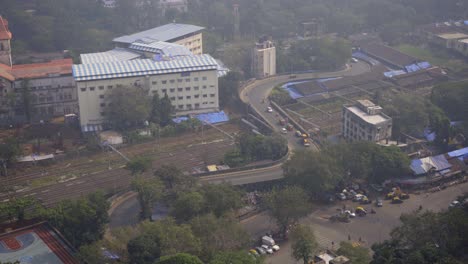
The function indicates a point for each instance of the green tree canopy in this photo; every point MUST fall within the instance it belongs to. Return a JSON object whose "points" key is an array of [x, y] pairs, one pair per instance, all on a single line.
{"points": [[179, 258], [221, 198], [303, 244], [287, 205], [9, 150], [127, 107], [426, 237], [144, 249], [149, 191], [218, 234], [172, 238], [138, 165], [81, 221], [314, 171], [356, 254], [237, 257]]}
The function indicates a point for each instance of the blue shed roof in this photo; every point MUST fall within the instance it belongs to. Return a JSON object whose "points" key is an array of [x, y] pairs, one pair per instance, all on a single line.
{"points": [[458, 152]]}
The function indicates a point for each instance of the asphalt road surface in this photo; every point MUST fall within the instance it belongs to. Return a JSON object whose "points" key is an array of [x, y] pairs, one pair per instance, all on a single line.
{"points": [[371, 228]]}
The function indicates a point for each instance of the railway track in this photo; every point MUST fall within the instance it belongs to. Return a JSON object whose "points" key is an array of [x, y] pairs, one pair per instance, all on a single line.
{"points": [[119, 178]]}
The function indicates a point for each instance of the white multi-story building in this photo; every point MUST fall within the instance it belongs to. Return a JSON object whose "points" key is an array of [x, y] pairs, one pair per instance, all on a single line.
{"points": [[366, 122], [191, 82], [264, 59], [189, 36]]}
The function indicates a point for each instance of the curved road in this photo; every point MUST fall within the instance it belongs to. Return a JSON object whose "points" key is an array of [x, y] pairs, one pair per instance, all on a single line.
{"points": [[253, 94]]}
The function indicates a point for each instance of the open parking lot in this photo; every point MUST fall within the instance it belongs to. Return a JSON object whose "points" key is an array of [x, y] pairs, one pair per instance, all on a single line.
{"points": [[371, 228]]}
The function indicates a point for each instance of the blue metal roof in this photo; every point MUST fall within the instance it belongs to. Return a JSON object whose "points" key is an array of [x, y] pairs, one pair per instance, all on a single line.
{"points": [[421, 166], [141, 67], [163, 33], [458, 152], [213, 118]]}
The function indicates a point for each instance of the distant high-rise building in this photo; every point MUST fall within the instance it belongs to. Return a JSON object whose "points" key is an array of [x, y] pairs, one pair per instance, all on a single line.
{"points": [[5, 47], [264, 58], [236, 15]]}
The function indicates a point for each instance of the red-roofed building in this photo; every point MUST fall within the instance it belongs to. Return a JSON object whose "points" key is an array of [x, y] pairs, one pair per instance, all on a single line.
{"points": [[51, 89]]}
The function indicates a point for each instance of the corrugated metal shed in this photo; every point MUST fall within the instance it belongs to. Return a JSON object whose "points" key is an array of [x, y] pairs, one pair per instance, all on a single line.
{"points": [[117, 54], [139, 67], [166, 48], [163, 33], [437, 163]]}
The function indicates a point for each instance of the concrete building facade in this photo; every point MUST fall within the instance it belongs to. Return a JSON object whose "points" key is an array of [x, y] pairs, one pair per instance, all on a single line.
{"points": [[5, 38], [264, 59], [365, 121], [190, 82]]}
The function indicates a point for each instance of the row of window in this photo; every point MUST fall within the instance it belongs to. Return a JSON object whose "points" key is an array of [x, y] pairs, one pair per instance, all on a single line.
{"points": [[188, 97], [180, 107], [195, 79], [109, 87]]}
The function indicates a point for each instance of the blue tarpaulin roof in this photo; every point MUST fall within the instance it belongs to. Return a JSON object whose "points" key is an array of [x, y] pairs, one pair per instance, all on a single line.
{"points": [[466, 22], [213, 118], [424, 65], [412, 68], [458, 152]]}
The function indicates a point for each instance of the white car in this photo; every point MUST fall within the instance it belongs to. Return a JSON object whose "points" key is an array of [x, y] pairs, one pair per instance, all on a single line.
{"points": [[284, 130], [267, 249], [348, 212], [275, 248], [354, 60], [454, 204], [269, 109]]}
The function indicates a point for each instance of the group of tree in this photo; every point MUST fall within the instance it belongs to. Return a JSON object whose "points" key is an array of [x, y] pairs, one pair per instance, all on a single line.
{"points": [[426, 237], [452, 98], [321, 172], [9, 150], [132, 107], [314, 54], [251, 147], [412, 115]]}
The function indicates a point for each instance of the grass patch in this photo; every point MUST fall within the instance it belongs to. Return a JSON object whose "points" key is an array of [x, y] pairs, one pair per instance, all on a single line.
{"points": [[43, 181]]}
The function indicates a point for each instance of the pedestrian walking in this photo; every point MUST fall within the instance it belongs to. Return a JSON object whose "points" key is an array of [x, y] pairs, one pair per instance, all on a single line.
{"points": [[360, 239], [349, 237]]}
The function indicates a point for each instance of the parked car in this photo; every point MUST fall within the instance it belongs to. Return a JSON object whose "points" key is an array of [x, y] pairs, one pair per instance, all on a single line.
{"points": [[341, 196], [454, 204], [360, 211], [298, 133], [365, 200], [354, 60], [284, 130], [358, 197], [379, 203], [267, 249], [260, 250], [254, 252], [350, 214], [275, 248], [269, 109], [404, 196], [396, 200]]}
